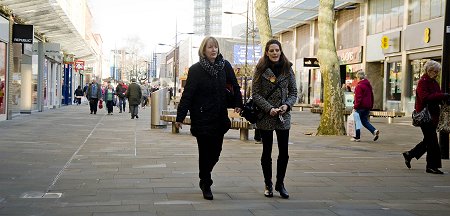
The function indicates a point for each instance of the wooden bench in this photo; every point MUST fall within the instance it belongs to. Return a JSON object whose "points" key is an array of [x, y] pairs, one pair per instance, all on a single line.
{"points": [[302, 106], [386, 114], [237, 122]]}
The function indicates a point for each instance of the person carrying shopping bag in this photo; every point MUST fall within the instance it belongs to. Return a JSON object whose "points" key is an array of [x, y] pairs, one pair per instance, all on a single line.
{"points": [[363, 103]]}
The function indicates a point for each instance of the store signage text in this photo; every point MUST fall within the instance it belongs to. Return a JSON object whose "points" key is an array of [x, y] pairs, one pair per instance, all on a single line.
{"points": [[350, 56], [310, 62], [426, 35], [23, 33], [384, 42]]}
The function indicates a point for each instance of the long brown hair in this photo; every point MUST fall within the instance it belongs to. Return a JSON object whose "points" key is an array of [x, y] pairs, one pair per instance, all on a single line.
{"points": [[264, 62]]}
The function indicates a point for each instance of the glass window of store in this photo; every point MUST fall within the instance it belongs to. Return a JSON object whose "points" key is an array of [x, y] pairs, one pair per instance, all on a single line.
{"points": [[385, 15], [3, 54], [423, 10], [394, 82]]}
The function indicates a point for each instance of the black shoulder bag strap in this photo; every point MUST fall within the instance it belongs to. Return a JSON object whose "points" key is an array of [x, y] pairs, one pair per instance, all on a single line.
{"points": [[275, 88]]}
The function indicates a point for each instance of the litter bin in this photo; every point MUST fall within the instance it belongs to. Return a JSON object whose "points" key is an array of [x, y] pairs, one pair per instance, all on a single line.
{"points": [[159, 103]]}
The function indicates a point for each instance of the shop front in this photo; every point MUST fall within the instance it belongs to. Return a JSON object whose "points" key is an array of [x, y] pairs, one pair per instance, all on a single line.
{"points": [[4, 46]]}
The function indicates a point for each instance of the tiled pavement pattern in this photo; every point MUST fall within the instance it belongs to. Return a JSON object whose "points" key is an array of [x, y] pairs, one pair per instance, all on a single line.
{"points": [[116, 166]]}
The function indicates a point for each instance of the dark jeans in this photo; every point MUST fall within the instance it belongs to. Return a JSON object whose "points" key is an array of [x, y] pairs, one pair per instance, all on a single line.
{"points": [[134, 110], [93, 104], [364, 116], [257, 136], [283, 154], [110, 106], [144, 101], [429, 145], [122, 104], [209, 149], [78, 101]]}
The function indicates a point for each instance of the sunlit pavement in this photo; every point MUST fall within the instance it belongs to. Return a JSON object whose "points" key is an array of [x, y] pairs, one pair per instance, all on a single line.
{"points": [[114, 165]]}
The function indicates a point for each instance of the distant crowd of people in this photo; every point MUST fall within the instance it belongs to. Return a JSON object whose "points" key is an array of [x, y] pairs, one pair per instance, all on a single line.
{"points": [[136, 95]]}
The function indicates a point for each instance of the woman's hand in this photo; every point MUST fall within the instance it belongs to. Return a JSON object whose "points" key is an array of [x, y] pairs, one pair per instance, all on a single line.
{"points": [[274, 111], [283, 108], [178, 125]]}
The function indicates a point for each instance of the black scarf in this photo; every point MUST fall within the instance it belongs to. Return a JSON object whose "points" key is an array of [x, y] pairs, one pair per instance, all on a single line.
{"points": [[213, 68]]}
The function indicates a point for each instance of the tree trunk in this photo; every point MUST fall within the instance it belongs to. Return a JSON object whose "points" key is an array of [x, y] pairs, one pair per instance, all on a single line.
{"points": [[332, 120], [263, 21]]}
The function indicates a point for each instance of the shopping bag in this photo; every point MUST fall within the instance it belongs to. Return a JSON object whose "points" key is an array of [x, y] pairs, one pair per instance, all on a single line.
{"points": [[351, 126], [444, 119], [358, 123], [100, 104]]}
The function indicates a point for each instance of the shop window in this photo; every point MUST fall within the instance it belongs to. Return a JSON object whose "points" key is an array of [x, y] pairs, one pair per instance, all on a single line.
{"points": [[423, 10], [2, 77], [385, 15], [394, 81]]}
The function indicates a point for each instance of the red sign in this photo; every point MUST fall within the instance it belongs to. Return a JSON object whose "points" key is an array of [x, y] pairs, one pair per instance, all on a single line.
{"points": [[79, 65]]}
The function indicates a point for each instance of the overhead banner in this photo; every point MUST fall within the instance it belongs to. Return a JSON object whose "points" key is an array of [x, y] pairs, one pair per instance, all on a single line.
{"points": [[23, 33], [253, 54]]}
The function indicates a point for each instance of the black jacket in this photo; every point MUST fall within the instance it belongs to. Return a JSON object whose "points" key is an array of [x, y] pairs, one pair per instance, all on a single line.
{"points": [[204, 97]]}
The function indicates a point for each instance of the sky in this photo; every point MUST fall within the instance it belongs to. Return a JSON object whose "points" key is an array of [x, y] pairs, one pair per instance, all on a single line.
{"points": [[152, 21]]}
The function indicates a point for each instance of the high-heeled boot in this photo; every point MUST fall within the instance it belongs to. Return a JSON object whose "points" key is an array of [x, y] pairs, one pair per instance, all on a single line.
{"points": [[282, 190]]}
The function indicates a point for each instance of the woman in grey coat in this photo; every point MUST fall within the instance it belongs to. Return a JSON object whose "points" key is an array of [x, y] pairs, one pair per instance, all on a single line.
{"points": [[274, 71]]}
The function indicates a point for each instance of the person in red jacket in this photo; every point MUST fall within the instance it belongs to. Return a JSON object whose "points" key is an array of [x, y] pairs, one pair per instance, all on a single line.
{"points": [[428, 94], [362, 104]]}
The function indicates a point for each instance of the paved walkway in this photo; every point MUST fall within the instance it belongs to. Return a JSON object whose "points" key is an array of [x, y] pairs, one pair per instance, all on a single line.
{"points": [[113, 165]]}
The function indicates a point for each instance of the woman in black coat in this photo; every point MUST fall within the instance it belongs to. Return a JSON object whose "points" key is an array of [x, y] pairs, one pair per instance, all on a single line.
{"points": [[205, 97], [274, 75]]}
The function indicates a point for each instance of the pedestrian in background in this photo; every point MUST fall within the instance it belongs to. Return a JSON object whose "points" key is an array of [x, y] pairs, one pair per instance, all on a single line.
{"points": [[134, 95], [78, 95], [121, 90], [429, 94], [204, 97], [274, 71], [362, 104], [145, 94], [109, 98], [94, 94]]}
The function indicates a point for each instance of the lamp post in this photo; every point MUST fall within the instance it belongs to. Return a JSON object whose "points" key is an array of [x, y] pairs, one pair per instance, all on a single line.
{"points": [[246, 45], [175, 59]]}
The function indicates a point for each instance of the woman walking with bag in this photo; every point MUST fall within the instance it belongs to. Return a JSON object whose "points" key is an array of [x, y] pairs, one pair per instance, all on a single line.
{"points": [[204, 96], [274, 92], [428, 95]]}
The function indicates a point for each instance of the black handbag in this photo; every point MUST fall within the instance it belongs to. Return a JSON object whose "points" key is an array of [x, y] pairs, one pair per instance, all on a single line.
{"points": [[250, 110], [422, 117]]}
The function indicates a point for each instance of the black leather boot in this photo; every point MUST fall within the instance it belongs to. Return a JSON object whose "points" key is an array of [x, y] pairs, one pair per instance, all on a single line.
{"points": [[206, 190], [408, 158], [268, 190], [283, 192]]}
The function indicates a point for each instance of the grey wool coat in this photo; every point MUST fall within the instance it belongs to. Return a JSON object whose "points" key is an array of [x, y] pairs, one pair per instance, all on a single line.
{"points": [[286, 93]]}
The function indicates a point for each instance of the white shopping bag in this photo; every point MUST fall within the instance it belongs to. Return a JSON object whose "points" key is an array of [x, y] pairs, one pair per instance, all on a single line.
{"points": [[353, 124]]}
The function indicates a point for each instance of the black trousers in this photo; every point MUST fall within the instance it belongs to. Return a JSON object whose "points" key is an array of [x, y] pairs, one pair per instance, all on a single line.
{"points": [[209, 149], [110, 106], [429, 145], [93, 102], [283, 155]]}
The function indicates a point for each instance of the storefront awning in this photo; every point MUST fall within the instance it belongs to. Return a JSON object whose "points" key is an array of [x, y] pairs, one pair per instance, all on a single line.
{"points": [[50, 19], [294, 13]]}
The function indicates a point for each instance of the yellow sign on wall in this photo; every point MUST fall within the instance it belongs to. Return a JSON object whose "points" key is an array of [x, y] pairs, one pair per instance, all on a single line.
{"points": [[426, 35], [384, 42]]}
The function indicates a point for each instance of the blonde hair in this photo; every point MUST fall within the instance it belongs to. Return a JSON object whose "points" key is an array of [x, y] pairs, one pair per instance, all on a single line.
{"points": [[202, 48]]}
